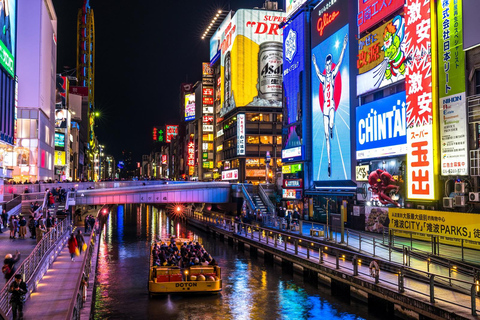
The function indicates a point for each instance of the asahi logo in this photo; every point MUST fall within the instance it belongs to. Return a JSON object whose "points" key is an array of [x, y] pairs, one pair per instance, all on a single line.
{"points": [[291, 45]]}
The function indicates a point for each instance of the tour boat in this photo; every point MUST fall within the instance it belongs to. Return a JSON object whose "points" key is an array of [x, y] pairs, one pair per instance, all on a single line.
{"points": [[174, 280]]}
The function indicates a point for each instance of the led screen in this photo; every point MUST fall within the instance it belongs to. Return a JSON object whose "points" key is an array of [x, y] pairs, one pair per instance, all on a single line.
{"points": [[8, 27], [189, 107], [59, 140], [331, 154]]}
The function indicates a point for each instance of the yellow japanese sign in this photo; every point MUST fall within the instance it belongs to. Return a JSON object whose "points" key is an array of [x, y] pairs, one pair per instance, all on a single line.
{"points": [[450, 227]]}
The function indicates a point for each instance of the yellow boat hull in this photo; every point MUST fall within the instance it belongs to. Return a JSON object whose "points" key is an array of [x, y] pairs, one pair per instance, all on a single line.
{"points": [[185, 287]]}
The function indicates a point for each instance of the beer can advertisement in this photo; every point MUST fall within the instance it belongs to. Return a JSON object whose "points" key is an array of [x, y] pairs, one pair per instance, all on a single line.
{"points": [[331, 146], [189, 107], [251, 60], [382, 58], [382, 127], [293, 67], [8, 25]]}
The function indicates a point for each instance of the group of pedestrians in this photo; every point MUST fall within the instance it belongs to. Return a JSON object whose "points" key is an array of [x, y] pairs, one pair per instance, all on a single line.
{"points": [[89, 223], [76, 244]]}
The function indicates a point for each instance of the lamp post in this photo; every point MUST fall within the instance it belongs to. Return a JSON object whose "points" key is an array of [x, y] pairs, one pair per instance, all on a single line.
{"points": [[329, 230]]}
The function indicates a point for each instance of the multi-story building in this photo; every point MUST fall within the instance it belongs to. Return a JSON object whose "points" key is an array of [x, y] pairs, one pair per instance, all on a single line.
{"points": [[36, 65]]}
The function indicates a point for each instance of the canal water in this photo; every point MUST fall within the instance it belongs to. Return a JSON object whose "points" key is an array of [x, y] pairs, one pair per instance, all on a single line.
{"points": [[251, 289]]}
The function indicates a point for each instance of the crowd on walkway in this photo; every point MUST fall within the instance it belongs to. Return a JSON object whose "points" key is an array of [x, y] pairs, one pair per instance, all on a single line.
{"points": [[188, 255]]}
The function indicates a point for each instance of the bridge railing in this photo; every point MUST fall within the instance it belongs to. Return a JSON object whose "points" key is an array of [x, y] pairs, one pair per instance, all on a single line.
{"points": [[313, 250], [36, 264]]}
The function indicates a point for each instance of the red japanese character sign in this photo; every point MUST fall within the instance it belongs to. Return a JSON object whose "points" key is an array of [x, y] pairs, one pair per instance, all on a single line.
{"points": [[420, 163]]}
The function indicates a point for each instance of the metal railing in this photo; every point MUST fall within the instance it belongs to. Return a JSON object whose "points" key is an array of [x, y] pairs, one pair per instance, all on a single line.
{"points": [[36, 264], [266, 200], [250, 203], [315, 251]]}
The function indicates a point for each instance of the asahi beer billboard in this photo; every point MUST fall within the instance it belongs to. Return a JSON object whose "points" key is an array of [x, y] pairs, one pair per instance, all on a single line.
{"points": [[331, 94], [251, 60], [381, 56], [451, 80]]}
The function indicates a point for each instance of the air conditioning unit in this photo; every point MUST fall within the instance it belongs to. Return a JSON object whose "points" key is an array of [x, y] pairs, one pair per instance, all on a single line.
{"points": [[460, 201], [460, 187], [448, 202], [421, 207], [474, 196]]}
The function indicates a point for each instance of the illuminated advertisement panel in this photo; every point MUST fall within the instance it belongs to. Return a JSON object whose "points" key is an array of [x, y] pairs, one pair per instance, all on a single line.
{"points": [[61, 118], [216, 39], [230, 174], [293, 68], [59, 139], [207, 70], [251, 60], [372, 11], [172, 132], [191, 154], [189, 106], [331, 149], [241, 134], [8, 25], [381, 56], [59, 158], [382, 127], [418, 85], [291, 6], [451, 81], [61, 92], [291, 194]]}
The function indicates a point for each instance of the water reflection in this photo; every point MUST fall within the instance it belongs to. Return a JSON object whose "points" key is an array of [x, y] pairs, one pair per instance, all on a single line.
{"points": [[251, 289]]}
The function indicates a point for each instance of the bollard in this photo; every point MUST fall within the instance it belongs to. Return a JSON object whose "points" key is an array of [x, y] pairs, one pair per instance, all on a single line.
{"points": [[274, 240], [308, 253], [359, 242], [296, 247], [462, 252], [432, 288], [260, 236], [401, 287], [348, 234], [449, 274], [267, 238], [428, 264], [337, 260], [320, 255], [286, 240], [252, 232], [473, 300], [355, 265], [374, 246], [301, 227]]}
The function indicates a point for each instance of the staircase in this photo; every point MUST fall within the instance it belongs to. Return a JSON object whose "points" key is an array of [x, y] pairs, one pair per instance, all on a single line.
{"points": [[259, 204]]}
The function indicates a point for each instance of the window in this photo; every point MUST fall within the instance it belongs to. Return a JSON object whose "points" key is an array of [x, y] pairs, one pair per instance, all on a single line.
{"points": [[266, 139], [279, 140], [253, 140]]}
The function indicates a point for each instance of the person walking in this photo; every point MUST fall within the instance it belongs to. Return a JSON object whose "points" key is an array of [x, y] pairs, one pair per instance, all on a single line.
{"points": [[72, 246], [18, 289], [4, 217], [11, 227], [41, 229], [80, 240], [23, 227], [8, 268], [31, 227]]}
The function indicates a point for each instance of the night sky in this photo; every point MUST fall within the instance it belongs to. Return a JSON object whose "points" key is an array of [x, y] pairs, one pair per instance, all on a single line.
{"points": [[144, 51]]}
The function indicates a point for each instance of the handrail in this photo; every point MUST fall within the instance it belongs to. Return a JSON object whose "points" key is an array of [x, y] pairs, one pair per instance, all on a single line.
{"points": [[70, 194], [266, 200], [247, 196], [31, 266], [76, 304], [13, 203]]}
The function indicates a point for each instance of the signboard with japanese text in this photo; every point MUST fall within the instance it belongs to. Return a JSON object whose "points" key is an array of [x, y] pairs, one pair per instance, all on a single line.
{"points": [[327, 17], [293, 70], [381, 59], [292, 154], [255, 173], [370, 12], [452, 106], [382, 127], [251, 60], [59, 158], [292, 183], [292, 194], [230, 174], [207, 70], [451, 227], [158, 134], [420, 184], [361, 172], [292, 168], [191, 154], [189, 107], [8, 35], [164, 159], [240, 134], [172, 132], [418, 85], [207, 91]]}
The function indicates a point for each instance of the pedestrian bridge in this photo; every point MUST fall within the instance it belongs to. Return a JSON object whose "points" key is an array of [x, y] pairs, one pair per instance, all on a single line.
{"points": [[169, 192]]}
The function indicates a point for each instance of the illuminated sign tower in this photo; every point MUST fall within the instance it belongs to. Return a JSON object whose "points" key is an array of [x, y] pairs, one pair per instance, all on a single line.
{"points": [[86, 61]]}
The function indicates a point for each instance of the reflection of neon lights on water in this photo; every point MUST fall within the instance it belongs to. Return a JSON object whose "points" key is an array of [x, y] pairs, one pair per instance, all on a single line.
{"points": [[120, 220], [241, 298]]}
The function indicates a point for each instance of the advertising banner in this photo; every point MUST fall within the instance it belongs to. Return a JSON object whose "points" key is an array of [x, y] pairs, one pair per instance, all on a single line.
{"points": [[291, 6], [292, 168], [292, 154], [8, 25], [451, 227], [172, 132], [361, 172], [61, 118], [418, 85], [207, 70], [189, 107], [59, 140], [59, 158], [215, 40], [370, 12], [292, 194], [293, 68], [240, 134], [381, 56], [61, 92], [376, 219], [251, 60], [382, 127], [292, 183], [191, 154], [331, 149], [230, 174], [453, 114]]}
